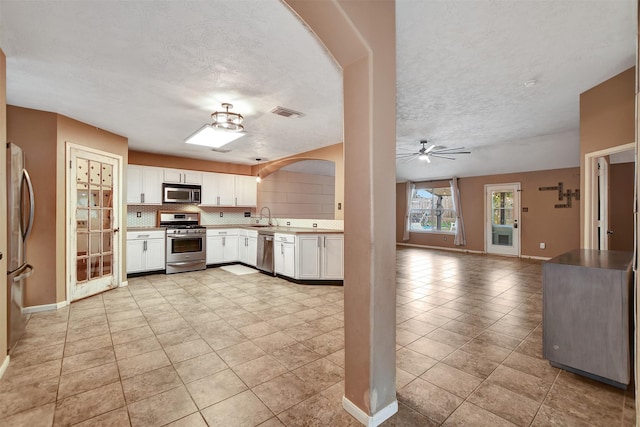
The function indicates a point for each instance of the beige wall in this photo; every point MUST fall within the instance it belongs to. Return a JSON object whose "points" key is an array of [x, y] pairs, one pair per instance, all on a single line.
{"points": [[297, 195], [621, 179], [3, 204], [361, 37], [35, 132], [161, 160], [78, 133], [44, 147], [556, 227], [607, 119]]}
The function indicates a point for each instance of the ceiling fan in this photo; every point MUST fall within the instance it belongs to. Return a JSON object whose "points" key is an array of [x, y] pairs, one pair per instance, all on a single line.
{"points": [[432, 151]]}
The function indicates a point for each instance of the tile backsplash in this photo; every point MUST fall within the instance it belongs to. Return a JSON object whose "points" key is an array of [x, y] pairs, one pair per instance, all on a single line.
{"points": [[211, 216]]}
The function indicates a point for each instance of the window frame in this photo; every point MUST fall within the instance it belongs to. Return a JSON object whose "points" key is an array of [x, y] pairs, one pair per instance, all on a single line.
{"points": [[433, 186]]}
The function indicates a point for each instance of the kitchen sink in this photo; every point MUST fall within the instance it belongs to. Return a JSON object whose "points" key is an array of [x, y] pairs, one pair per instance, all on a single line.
{"points": [[260, 225]]}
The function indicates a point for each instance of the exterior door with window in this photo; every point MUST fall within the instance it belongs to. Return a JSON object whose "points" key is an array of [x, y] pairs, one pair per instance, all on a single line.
{"points": [[502, 219], [93, 223]]}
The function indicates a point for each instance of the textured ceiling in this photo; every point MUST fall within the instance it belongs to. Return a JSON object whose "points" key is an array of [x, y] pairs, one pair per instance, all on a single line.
{"points": [[153, 71]]}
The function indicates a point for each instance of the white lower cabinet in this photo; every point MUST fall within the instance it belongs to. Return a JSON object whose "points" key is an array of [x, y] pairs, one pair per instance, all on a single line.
{"points": [[248, 247], [320, 257], [222, 246], [284, 250], [145, 251]]}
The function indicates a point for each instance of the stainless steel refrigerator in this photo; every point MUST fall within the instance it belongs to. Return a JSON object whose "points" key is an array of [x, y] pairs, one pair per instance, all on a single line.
{"points": [[20, 211]]}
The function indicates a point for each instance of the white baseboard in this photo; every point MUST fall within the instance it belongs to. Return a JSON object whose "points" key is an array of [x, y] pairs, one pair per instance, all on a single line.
{"points": [[4, 366], [411, 245], [44, 307], [370, 421], [123, 284]]}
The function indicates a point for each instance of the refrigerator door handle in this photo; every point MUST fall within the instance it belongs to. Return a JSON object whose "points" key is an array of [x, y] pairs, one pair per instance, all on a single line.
{"points": [[32, 203], [27, 272]]}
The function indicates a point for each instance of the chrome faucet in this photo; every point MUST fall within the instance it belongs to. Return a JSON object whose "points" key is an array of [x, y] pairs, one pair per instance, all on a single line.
{"points": [[268, 211]]}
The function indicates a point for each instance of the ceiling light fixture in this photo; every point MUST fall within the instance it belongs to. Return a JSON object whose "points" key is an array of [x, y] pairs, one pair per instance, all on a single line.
{"points": [[530, 83], [258, 179], [225, 127]]}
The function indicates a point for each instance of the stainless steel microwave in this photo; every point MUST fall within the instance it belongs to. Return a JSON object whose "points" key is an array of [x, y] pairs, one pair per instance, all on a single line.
{"points": [[177, 193]]}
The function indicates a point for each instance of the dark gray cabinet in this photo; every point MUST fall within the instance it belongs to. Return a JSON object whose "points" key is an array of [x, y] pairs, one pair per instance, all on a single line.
{"points": [[587, 314]]}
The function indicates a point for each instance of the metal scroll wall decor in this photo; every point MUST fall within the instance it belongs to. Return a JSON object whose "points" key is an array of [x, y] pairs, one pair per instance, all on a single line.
{"points": [[561, 195]]}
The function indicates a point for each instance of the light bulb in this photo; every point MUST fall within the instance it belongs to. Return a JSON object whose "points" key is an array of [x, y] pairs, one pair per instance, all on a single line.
{"points": [[258, 179]]}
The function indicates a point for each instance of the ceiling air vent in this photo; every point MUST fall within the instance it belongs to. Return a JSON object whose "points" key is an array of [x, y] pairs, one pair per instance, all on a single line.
{"points": [[286, 112]]}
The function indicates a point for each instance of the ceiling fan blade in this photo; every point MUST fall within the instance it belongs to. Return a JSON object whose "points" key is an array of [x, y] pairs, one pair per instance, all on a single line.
{"points": [[428, 159], [457, 150], [430, 148], [399, 156], [441, 156]]}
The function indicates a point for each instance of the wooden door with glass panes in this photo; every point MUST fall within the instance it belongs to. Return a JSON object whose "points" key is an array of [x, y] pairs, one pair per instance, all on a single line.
{"points": [[94, 221]]}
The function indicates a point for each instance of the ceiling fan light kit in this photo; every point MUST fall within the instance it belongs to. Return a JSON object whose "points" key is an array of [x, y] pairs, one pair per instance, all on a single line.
{"points": [[225, 127]]}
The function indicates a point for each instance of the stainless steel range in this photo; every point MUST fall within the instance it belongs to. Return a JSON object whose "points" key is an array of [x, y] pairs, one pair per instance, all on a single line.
{"points": [[186, 242]]}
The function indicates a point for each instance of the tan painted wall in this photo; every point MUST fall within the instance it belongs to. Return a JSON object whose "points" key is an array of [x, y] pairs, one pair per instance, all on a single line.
{"points": [[161, 160], [35, 132], [361, 37], [3, 203], [607, 119], [44, 147], [75, 132], [543, 223], [621, 178]]}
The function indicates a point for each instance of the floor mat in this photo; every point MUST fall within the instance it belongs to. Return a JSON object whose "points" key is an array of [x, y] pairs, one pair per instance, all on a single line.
{"points": [[239, 270]]}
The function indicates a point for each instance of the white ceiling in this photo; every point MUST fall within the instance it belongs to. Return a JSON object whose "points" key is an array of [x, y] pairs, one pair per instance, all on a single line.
{"points": [[154, 71]]}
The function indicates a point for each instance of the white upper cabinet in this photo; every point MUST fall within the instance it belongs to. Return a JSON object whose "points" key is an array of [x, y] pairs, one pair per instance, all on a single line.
{"points": [[246, 191], [144, 185], [177, 176], [218, 189]]}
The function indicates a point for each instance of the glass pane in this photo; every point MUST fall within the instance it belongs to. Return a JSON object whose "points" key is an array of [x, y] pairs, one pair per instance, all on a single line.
{"points": [[179, 246], [81, 270], [95, 267], [82, 195], [502, 218], [83, 244], [106, 219], [94, 196], [94, 243], [106, 242], [107, 172], [82, 218], [107, 198], [106, 265], [82, 170], [94, 172], [96, 221]]}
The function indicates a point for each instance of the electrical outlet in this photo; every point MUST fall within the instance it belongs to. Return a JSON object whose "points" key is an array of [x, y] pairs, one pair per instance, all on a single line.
{"points": [[221, 214], [247, 214], [339, 206], [315, 225], [288, 222], [138, 214], [543, 245], [445, 238]]}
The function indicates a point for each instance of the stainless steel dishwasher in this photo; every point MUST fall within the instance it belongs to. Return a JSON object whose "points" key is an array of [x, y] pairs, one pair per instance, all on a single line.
{"points": [[265, 252]]}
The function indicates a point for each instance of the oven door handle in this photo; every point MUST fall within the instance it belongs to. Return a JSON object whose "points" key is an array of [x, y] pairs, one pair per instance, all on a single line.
{"points": [[184, 263], [187, 236]]}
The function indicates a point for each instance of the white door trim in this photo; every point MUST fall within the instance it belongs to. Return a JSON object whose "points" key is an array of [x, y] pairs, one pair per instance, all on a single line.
{"points": [[516, 216], [589, 237], [117, 238]]}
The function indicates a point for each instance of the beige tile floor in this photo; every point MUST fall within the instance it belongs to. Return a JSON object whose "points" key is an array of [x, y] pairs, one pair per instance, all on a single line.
{"points": [[212, 348]]}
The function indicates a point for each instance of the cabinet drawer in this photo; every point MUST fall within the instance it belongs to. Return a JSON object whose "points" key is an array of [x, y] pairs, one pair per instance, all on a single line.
{"points": [[223, 232], [145, 235], [285, 238]]}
